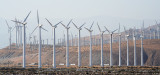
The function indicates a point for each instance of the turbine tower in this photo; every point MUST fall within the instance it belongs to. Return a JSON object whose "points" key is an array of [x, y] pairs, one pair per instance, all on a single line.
{"points": [[79, 43], [134, 40], [150, 32], [142, 36], [101, 34], [158, 27], [67, 43], [119, 45], [54, 41], [111, 34], [40, 41], [90, 56], [24, 38], [10, 34], [127, 37]]}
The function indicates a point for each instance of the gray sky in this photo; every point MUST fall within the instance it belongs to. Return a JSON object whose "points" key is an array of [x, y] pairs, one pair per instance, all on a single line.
{"points": [[135, 9], [107, 12]]}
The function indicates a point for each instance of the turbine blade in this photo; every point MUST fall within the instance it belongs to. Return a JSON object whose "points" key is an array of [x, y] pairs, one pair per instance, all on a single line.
{"points": [[16, 21], [98, 27], [82, 25], [143, 24], [34, 30], [58, 23], [14, 28], [44, 29], [27, 17], [75, 25], [49, 22], [37, 17], [156, 22], [119, 29], [69, 22], [142, 29], [124, 29], [106, 29], [114, 30], [63, 25], [87, 29], [7, 23], [92, 25]]}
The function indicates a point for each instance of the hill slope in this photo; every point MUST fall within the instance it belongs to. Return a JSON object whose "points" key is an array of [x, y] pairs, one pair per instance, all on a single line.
{"points": [[151, 54]]}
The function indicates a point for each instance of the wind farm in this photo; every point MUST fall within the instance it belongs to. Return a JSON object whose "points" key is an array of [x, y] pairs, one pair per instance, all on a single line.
{"points": [[79, 42]]}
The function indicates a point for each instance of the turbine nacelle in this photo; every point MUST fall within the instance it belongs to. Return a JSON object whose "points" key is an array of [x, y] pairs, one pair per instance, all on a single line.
{"points": [[109, 31], [80, 28], [90, 28], [100, 29], [40, 25], [127, 35], [141, 36], [67, 27], [24, 23]]}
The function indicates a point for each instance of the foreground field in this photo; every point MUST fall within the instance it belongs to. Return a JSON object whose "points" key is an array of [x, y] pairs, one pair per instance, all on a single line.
{"points": [[143, 70]]}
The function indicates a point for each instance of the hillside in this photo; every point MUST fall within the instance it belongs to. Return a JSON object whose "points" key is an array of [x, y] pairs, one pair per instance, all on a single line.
{"points": [[151, 54]]}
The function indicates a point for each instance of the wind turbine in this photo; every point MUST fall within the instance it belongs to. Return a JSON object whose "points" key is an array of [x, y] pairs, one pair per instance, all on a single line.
{"points": [[90, 31], [158, 29], [30, 37], [16, 33], [67, 43], [40, 42], [134, 40], [79, 42], [119, 45], [16, 25], [24, 38], [142, 36], [9, 30], [101, 33], [54, 41], [150, 32], [111, 34], [154, 34], [127, 37]]}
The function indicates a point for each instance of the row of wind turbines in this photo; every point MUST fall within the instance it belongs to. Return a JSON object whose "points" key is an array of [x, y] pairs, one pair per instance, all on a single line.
{"points": [[90, 30]]}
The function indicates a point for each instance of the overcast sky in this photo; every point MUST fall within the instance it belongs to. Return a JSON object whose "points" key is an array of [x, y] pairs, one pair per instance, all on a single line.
{"points": [[107, 12], [135, 9]]}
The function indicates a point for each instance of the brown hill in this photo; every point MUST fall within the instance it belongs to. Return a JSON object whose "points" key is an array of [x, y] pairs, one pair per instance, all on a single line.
{"points": [[151, 54]]}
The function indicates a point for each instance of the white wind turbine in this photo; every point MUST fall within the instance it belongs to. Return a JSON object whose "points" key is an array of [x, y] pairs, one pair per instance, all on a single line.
{"points": [[79, 43], [54, 41], [89, 30], [158, 27], [16, 32], [150, 32], [119, 45], [127, 37], [40, 41], [142, 36], [111, 34], [24, 39], [101, 34], [67, 43], [134, 40], [10, 34]]}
